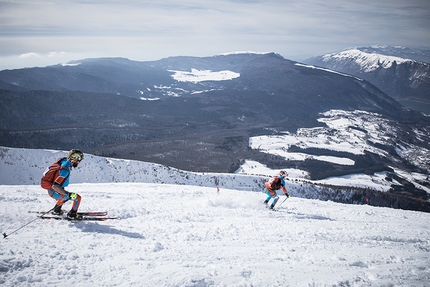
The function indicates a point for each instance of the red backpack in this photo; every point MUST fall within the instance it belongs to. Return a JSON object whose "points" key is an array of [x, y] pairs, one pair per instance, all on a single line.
{"points": [[275, 183], [51, 173]]}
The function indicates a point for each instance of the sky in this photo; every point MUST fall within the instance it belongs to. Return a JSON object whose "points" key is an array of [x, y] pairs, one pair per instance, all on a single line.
{"points": [[40, 33]]}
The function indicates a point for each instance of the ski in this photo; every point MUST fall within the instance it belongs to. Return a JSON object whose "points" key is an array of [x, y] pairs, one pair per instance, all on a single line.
{"points": [[271, 209], [83, 213], [84, 218], [93, 213]]}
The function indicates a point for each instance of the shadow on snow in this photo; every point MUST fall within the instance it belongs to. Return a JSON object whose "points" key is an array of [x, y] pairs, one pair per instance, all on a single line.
{"points": [[106, 229]]}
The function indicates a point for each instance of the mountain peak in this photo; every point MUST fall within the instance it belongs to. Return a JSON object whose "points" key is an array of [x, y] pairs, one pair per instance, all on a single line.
{"points": [[400, 72], [366, 61]]}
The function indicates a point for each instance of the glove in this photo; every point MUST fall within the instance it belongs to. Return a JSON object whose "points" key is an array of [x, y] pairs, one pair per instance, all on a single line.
{"points": [[72, 196], [287, 195]]}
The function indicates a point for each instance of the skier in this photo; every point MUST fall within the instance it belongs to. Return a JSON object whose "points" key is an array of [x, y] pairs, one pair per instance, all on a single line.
{"points": [[56, 178], [272, 185]]}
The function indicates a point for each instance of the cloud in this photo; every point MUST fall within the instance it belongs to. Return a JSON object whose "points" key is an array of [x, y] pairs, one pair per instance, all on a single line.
{"points": [[56, 54], [29, 55], [32, 59]]}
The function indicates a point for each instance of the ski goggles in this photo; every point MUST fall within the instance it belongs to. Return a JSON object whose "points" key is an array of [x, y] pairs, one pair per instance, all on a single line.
{"points": [[76, 157]]}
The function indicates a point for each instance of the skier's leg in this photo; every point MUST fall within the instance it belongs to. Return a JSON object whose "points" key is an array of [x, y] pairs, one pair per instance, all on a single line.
{"points": [[272, 194], [76, 204], [269, 196], [58, 197], [275, 200]]}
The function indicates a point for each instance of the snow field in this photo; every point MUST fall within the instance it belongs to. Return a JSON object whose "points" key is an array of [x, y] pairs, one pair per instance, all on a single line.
{"points": [[178, 235]]}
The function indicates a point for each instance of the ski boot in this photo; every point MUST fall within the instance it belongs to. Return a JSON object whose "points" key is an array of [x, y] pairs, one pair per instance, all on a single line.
{"points": [[266, 202], [73, 215], [272, 206], [57, 210]]}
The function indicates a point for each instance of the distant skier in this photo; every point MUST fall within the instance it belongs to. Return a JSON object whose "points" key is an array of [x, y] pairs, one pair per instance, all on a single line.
{"points": [[56, 178], [272, 185]]}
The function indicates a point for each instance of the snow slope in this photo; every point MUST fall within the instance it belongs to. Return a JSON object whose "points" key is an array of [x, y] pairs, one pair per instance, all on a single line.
{"points": [[182, 235], [205, 75], [26, 166]]}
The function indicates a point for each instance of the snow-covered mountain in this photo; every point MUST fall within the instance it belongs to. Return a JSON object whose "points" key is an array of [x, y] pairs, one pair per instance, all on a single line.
{"points": [[339, 138], [395, 70], [25, 166], [420, 54], [216, 114], [365, 61], [345, 135], [187, 112]]}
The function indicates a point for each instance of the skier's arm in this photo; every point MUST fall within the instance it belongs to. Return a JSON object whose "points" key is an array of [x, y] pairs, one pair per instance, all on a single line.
{"points": [[59, 182], [284, 189], [57, 188]]}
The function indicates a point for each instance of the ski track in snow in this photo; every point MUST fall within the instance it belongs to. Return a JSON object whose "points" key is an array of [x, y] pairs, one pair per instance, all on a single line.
{"points": [[178, 235]]}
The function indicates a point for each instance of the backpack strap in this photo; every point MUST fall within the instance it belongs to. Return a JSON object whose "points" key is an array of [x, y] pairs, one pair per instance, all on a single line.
{"points": [[60, 168]]}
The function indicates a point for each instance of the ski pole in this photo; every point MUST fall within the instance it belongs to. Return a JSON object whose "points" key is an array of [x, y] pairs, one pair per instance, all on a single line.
{"points": [[282, 202], [6, 235]]}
